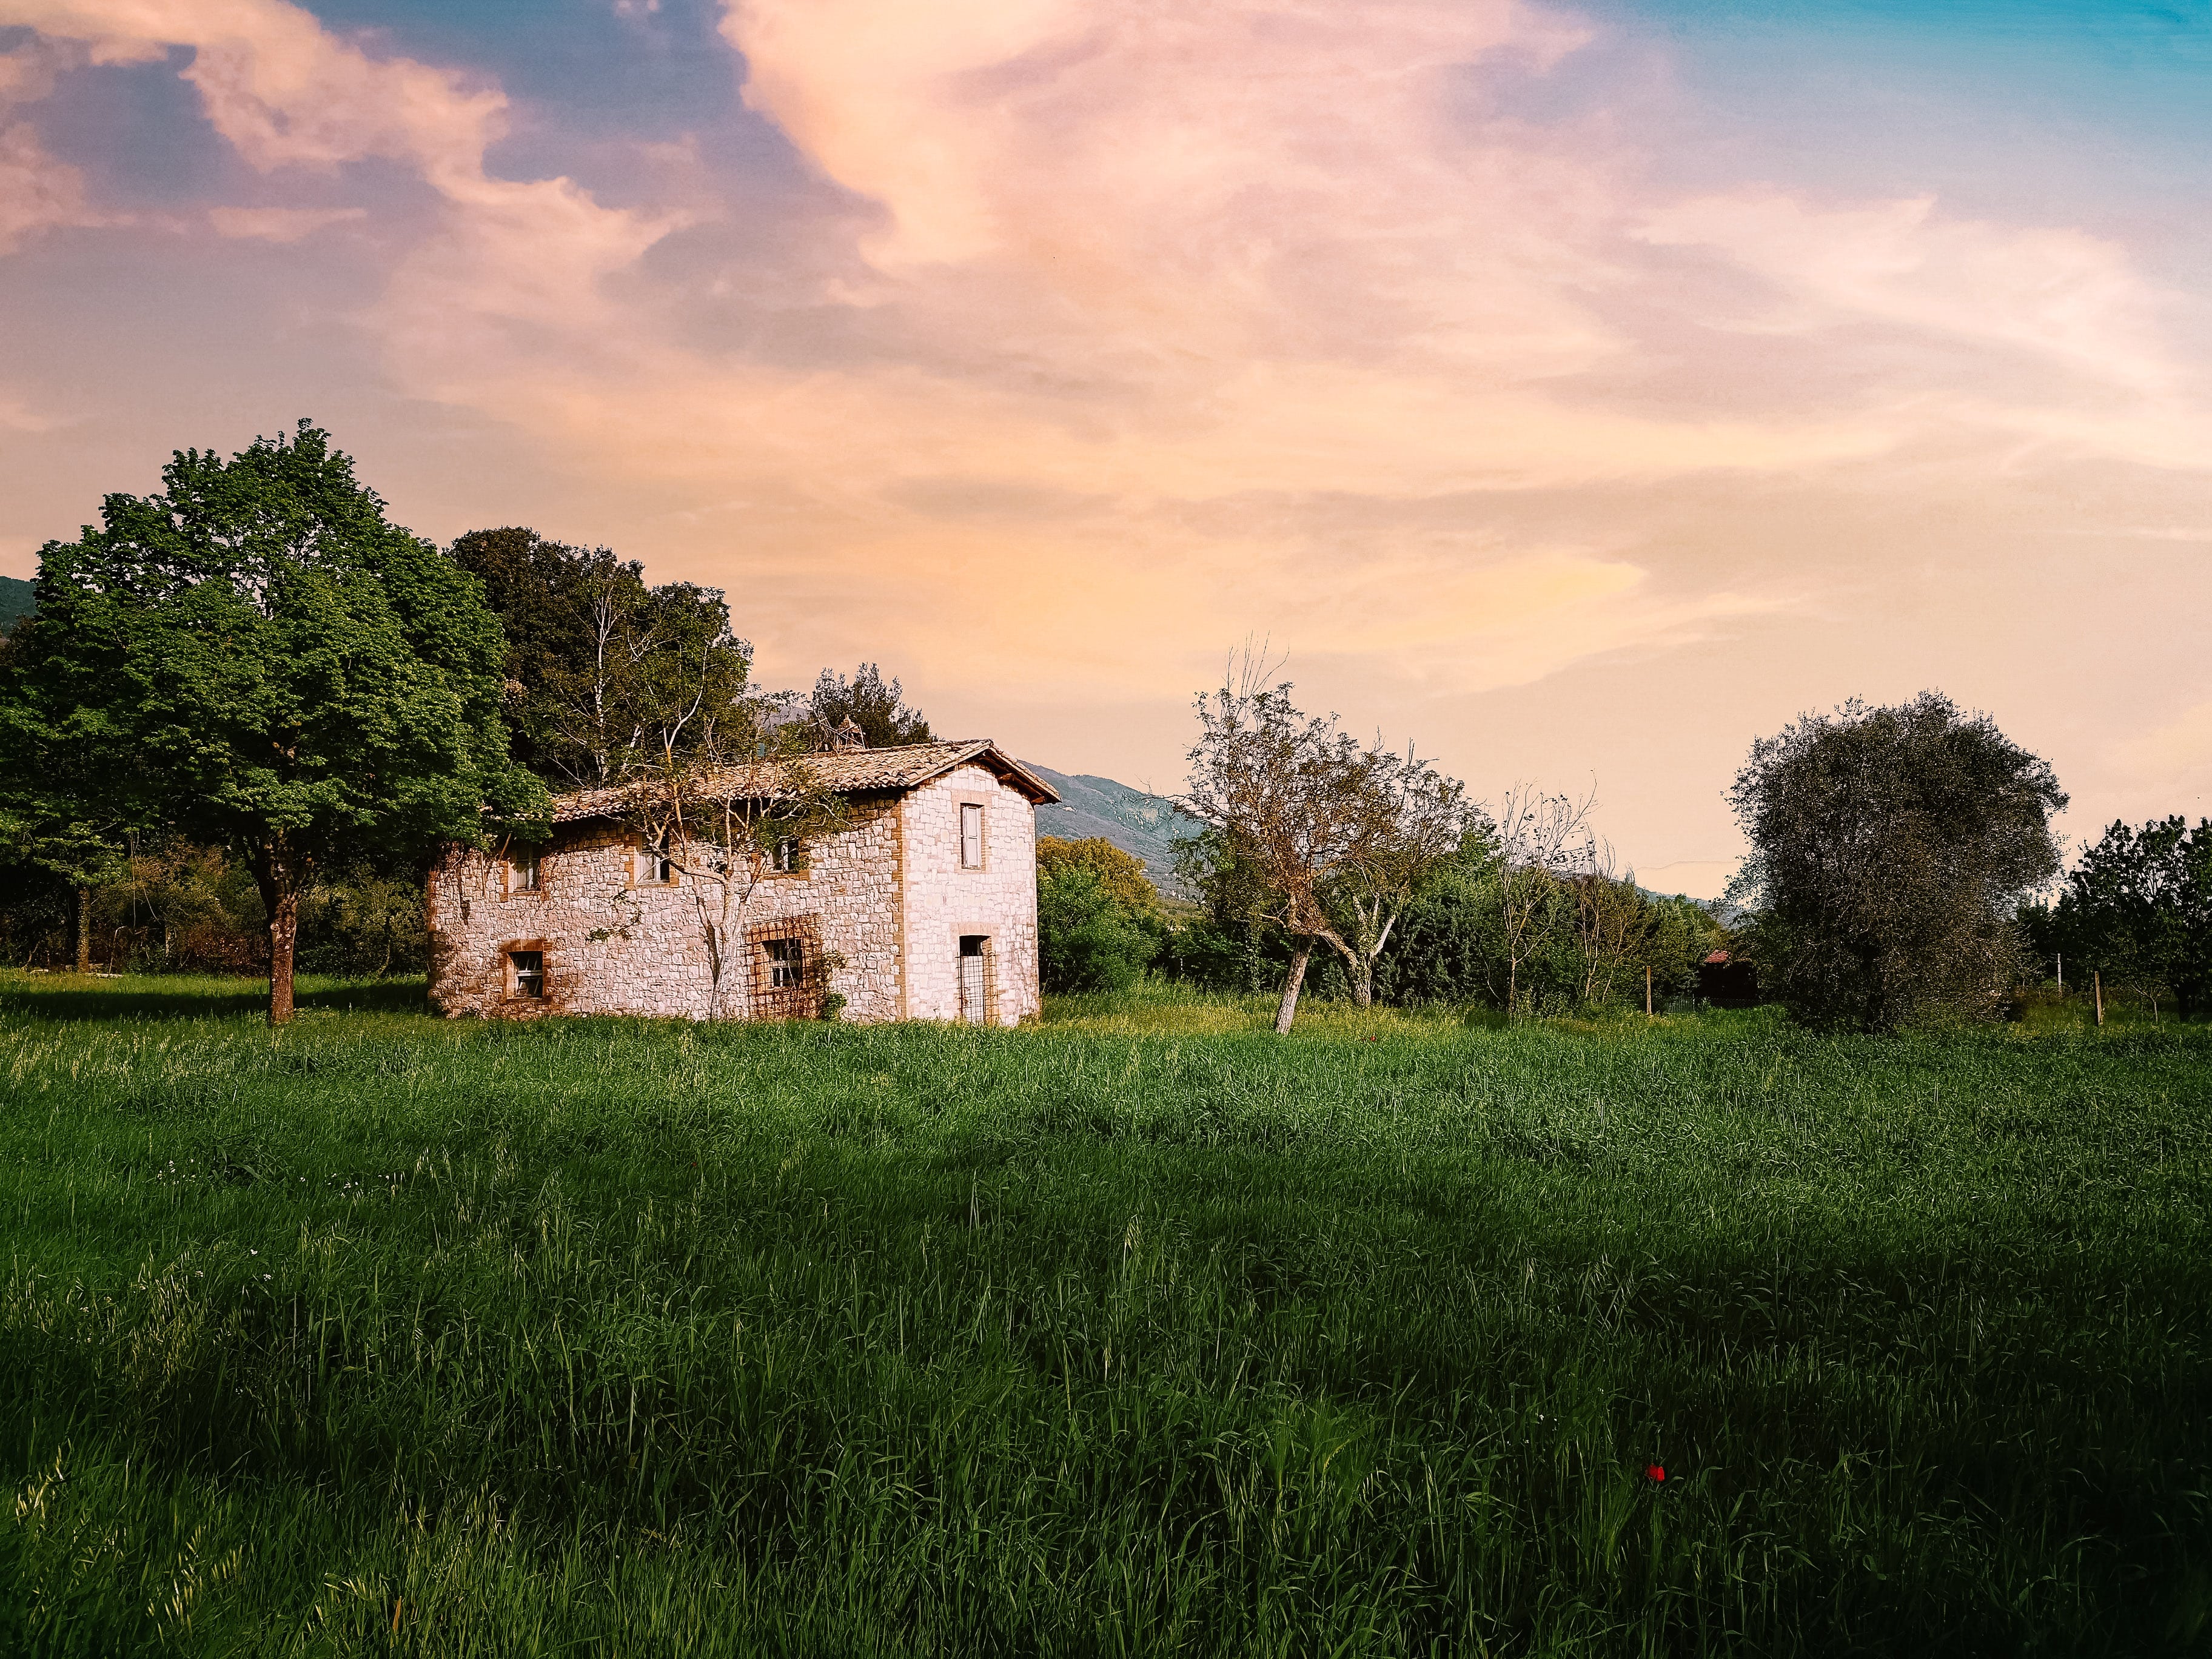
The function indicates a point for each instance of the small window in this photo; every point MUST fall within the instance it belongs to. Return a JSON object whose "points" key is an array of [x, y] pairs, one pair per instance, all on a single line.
{"points": [[789, 858], [971, 835], [787, 963], [522, 874], [529, 972], [655, 863]]}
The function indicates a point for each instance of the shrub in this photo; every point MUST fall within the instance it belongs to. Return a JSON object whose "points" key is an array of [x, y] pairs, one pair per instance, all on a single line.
{"points": [[1087, 939]]}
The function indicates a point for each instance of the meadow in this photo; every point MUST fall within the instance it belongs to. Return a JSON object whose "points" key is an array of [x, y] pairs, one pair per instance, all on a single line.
{"points": [[1137, 1332]]}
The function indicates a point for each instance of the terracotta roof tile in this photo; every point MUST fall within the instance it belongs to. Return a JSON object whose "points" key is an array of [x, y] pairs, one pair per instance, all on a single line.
{"points": [[848, 771]]}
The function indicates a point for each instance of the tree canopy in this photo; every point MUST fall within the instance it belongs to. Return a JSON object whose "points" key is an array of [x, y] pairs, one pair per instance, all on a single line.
{"points": [[2138, 909], [1121, 874], [1891, 849], [255, 656], [879, 710], [607, 674]]}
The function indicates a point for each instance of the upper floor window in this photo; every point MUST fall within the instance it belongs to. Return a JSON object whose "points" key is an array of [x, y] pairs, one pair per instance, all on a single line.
{"points": [[789, 857], [522, 875], [971, 835], [655, 863]]}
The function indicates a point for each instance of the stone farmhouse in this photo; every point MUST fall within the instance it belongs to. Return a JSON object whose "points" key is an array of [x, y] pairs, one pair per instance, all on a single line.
{"points": [[924, 904]]}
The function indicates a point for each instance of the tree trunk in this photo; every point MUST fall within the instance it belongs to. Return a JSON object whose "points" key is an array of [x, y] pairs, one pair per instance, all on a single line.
{"points": [[1363, 982], [280, 876], [85, 930], [1289, 1009]]}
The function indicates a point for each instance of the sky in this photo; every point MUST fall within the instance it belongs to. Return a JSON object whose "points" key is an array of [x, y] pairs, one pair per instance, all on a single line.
{"points": [[1578, 392]]}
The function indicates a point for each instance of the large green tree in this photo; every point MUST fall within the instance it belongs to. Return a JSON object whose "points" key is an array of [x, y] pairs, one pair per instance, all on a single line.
{"points": [[256, 656], [1891, 848]]}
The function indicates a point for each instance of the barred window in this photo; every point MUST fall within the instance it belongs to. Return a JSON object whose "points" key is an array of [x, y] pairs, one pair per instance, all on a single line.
{"points": [[787, 962]]}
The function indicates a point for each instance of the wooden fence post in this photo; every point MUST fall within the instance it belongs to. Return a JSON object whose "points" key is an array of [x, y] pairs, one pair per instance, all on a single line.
{"points": [[2098, 979], [1647, 990]]}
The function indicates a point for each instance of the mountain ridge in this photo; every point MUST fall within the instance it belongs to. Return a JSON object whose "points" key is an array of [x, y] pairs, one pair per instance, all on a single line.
{"points": [[1144, 825], [18, 599]]}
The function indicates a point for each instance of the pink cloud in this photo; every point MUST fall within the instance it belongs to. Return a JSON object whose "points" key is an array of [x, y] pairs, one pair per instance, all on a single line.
{"points": [[279, 224], [37, 191], [2054, 293]]}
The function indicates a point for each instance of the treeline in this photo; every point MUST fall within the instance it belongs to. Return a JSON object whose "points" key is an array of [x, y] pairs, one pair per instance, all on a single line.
{"points": [[177, 907], [2135, 913], [1475, 931], [1899, 858]]}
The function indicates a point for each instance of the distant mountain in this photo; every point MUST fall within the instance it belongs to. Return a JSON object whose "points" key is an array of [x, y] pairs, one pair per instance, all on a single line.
{"points": [[18, 599], [1144, 826]]}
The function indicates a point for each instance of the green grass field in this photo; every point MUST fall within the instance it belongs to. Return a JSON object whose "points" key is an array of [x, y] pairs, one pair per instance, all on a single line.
{"points": [[1139, 1333]]}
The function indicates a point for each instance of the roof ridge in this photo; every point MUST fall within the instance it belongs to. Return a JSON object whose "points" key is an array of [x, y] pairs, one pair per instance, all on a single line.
{"points": [[899, 767]]}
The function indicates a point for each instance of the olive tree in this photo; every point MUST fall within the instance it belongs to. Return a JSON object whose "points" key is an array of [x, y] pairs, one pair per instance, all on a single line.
{"points": [[1891, 850]]}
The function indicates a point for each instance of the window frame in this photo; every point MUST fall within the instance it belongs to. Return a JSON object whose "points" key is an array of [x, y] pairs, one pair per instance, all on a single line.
{"points": [[517, 864], [518, 977], [787, 963], [647, 854], [982, 811]]}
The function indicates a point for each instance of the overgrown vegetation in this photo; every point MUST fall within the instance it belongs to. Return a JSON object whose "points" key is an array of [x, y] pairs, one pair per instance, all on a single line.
{"points": [[1144, 1331], [1482, 929]]}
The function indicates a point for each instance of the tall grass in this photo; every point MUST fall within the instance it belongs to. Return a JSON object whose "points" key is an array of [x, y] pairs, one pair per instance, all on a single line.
{"points": [[1139, 1331]]}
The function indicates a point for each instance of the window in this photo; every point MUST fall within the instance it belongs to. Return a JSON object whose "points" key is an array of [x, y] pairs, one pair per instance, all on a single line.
{"points": [[522, 874], [654, 863], [529, 972], [789, 858], [787, 963], [971, 835]]}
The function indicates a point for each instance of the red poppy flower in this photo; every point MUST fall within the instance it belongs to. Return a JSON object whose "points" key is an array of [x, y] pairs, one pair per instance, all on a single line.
{"points": [[1657, 1472]]}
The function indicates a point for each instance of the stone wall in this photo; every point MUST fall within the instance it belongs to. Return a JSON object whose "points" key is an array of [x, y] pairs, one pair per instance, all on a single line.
{"points": [[615, 943], [943, 902]]}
